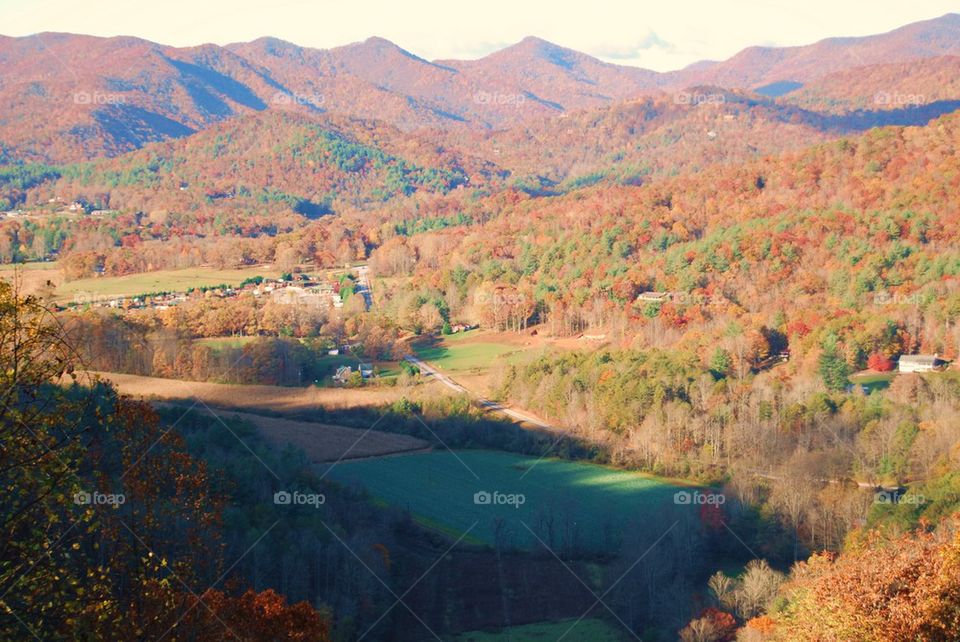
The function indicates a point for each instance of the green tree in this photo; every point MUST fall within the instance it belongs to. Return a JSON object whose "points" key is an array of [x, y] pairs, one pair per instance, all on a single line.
{"points": [[39, 454], [720, 363], [832, 366]]}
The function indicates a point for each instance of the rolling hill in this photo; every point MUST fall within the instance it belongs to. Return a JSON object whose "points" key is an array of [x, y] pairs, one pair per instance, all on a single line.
{"points": [[885, 87], [271, 160]]}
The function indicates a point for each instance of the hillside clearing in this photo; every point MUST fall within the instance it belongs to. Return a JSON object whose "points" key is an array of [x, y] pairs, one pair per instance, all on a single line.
{"points": [[589, 505], [276, 399], [326, 442]]}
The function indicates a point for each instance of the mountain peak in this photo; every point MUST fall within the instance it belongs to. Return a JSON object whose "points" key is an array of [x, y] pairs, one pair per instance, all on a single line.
{"points": [[536, 44], [379, 42], [270, 41], [377, 48], [544, 50], [374, 44], [536, 40]]}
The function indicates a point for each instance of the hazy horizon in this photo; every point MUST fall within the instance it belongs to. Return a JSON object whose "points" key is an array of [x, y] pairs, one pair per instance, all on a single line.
{"points": [[661, 38]]}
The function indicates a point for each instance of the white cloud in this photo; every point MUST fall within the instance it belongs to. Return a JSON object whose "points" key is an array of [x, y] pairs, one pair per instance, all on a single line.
{"points": [[630, 51]]}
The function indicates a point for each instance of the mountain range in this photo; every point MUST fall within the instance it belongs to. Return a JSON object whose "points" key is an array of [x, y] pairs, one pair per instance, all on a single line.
{"points": [[67, 98]]}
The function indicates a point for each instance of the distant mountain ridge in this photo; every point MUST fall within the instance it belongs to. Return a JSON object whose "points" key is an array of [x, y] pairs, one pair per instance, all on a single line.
{"points": [[757, 66], [66, 97]]}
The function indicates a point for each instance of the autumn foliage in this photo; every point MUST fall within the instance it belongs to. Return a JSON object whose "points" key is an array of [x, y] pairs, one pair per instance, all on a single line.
{"points": [[905, 588], [880, 362], [131, 566]]}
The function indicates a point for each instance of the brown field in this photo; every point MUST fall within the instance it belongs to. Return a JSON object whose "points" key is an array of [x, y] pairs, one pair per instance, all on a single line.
{"points": [[324, 443], [277, 399], [321, 442], [33, 277]]}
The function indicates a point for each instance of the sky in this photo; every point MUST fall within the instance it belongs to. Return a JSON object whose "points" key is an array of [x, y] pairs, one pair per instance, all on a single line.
{"points": [[655, 34]]}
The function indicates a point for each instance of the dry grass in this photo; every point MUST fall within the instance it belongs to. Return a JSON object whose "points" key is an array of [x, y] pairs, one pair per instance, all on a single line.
{"points": [[321, 442], [33, 277], [325, 443], [278, 399]]}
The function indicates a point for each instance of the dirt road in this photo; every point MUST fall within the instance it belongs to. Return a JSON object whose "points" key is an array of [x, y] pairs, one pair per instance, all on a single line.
{"points": [[517, 415]]}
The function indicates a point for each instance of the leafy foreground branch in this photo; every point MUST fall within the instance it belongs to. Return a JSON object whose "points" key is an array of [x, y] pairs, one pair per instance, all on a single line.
{"points": [[109, 529]]}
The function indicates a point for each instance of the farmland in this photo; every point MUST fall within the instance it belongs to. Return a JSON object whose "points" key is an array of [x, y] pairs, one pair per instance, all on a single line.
{"points": [[221, 343], [34, 275], [325, 442], [275, 399], [590, 505], [462, 356], [471, 355], [160, 281]]}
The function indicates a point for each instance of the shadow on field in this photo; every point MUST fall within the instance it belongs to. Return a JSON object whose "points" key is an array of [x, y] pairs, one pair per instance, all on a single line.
{"points": [[429, 348]]}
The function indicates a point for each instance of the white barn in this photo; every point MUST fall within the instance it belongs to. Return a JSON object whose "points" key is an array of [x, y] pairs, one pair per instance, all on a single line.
{"points": [[920, 363]]}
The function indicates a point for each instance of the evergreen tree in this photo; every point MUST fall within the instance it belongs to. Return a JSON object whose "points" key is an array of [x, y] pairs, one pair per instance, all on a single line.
{"points": [[832, 366], [720, 363]]}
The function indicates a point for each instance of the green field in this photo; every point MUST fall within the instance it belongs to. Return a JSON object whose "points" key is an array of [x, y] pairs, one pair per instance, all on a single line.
{"points": [[587, 629], [589, 503], [871, 382], [159, 281], [461, 336], [224, 342], [454, 356]]}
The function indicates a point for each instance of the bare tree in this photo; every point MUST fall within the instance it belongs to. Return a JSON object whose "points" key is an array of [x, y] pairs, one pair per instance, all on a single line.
{"points": [[758, 586]]}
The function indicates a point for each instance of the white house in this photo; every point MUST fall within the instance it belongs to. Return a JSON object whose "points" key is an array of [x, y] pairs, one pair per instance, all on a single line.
{"points": [[654, 297], [920, 363]]}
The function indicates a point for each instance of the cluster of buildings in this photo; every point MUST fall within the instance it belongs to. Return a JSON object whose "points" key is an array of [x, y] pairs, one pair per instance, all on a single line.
{"points": [[78, 207], [73, 208], [343, 374], [303, 290], [307, 294]]}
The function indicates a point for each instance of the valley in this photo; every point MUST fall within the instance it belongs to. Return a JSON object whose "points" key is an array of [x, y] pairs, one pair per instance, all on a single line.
{"points": [[335, 343]]}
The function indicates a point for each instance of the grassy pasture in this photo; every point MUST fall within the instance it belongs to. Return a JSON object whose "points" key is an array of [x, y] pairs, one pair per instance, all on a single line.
{"points": [[159, 281], [588, 504], [459, 356], [877, 381], [34, 275]]}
